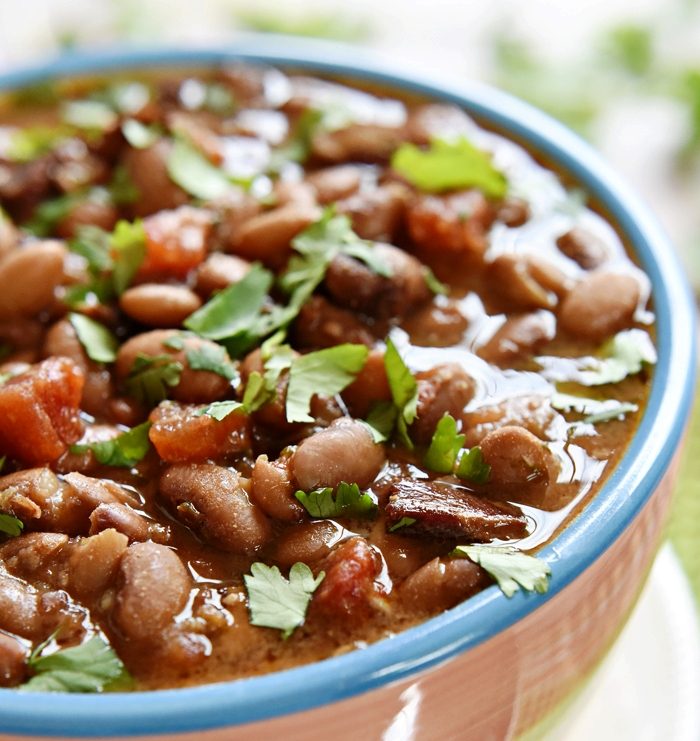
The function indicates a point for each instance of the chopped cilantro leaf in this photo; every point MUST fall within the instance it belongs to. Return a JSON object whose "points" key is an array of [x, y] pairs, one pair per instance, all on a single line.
{"points": [[381, 420], [88, 114], [449, 165], [221, 409], [48, 213], [445, 445], [29, 143], [435, 285], [403, 522], [121, 188], [511, 568], [123, 451], [128, 249], [348, 501], [90, 667], [151, 377], [325, 372], [194, 173], [99, 343], [404, 391], [596, 411], [212, 358], [10, 525], [92, 243], [275, 602], [471, 466], [139, 135]]}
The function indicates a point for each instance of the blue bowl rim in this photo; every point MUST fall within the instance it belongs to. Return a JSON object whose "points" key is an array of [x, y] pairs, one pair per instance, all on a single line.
{"points": [[624, 495]]}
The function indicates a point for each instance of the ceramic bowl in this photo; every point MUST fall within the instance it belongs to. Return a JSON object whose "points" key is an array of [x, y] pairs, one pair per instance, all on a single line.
{"points": [[492, 667]]}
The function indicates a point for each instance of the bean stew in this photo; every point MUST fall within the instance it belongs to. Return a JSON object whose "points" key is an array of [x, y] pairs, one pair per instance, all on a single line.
{"points": [[287, 365]]}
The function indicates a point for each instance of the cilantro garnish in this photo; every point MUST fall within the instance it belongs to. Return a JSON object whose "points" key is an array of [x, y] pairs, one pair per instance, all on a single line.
{"points": [[381, 420], [99, 343], [48, 213], [449, 165], [404, 391], [434, 284], [511, 568], [212, 358], [596, 410], [403, 522], [123, 451], [29, 143], [194, 173], [90, 667], [10, 525], [92, 243], [348, 501], [151, 377], [275, 602], [139, 135], [471, 466], [221, 409], [88, 114], [445, 445], [128, 248], [325, 372]]}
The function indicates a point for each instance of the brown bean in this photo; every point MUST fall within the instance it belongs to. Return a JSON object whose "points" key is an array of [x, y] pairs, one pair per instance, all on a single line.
{"points": [[233, 210], [94, 561], [519, 337], [88, 212], [213, 501], [364, 142], [438, 324], [442, 583], [159, 305], [334, 183], [376, 213], [512, 279], [307, 542], [273, 490], [294, 192], [345, 451], [268, 237], [13, 661], [321, 324], [19, 608], [583, 247], [600, 305], [28, 278], [219, 271], [513, 211], [516, 456], [155, 587], [369, 387], [131, 523], [431, 120], [9, 236]]}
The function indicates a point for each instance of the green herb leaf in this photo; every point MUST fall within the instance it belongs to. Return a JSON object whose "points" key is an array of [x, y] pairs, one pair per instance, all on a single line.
{"points": [[325, 372], [471, 466], [449, 165], [123, 451], [275, 602], [88, 114], [90, 667], [444, 446], [221, 409], [128, 248], [194, 173], [151, 378], [10, 525], [32, 142], [139, 135], [212, 358], [99, 343], [349, 501], [403, 522], [511, 568], [435, 285], [92, 243], [122, 189], [48, 213], [404, 391], [381, 420], [596, 411]]}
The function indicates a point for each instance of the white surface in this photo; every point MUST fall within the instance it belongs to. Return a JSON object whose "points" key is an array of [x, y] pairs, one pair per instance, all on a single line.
{"points": [[648, 688]]}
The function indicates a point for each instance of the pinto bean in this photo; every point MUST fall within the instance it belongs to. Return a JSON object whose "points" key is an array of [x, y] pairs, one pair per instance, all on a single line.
{"points": [[19, 608], [516, 456], [345, 451], [28, 278], [355, 286], [39, 411], [520, 336], [600, 305], [212, 500], [442, 583], [87, 212], [273, 490], [307, 542], [334, 183], [267, 237], [182, 434], [438, 324], [9, 236], [94, 561], [426, 122], [294, 191], [159, 305], [123, 519], [583, 247], [513, 211], [456, 224], [148, 171], [445, 389], [321, 324], [233, 210], [13, 661], [513, 280], [363, 142], [23, 185], [376, 213], [369, 387], [21, 333], [154, 589], [219, 271], [195, 386]]}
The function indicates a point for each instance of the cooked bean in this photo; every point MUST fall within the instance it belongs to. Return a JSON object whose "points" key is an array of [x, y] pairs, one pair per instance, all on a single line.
{"points": [[232, 211], [369, 387], [219, 271], [13, 661], [19, 608], [94, 562], [442, 583], [155, 588], [520, 336], [308, 542], [148, 171], [438, 324], [9, 236], [512, 279], [376, 213], [273, 491], [294, 192], [356, 286], [36, 555], [437, 120], [516, 456], [334, 183], [28, 278], [88, 212], [213, 501], [39, 411], [268, 237], [344, 451], [23, 185], [583, 247], [321, 324], [513, 212], [123, 519], [362, 142], [21, 333], [195, 386], [600, 305], [159, 305], [445, 389]]}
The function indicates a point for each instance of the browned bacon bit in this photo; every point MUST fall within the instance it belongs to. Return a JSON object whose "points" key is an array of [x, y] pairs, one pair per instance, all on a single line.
{"points": [[444, 511], [39, 411]]}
